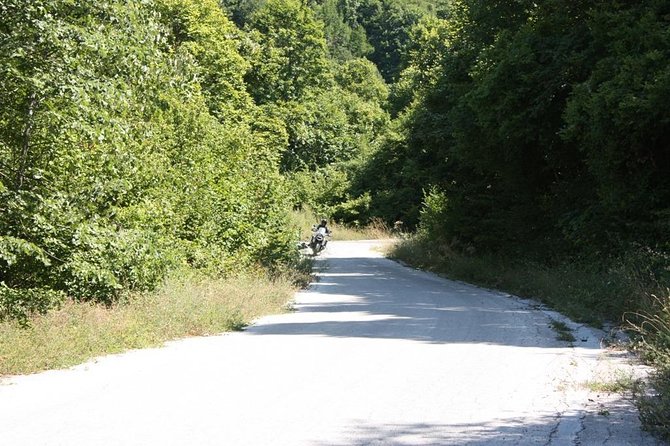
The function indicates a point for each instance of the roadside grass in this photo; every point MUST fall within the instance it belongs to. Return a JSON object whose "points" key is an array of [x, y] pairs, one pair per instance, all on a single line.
{"points": [[187, 305], [583, 291], [632, 291], [304, 219], [652, 325], [620, 383], [376, 230], [653, 402]]}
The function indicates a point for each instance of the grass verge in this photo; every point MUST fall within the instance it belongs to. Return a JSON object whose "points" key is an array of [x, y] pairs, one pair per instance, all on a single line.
{"points": [[185, 306], [621, 383], [652, 324], [304, 219], [586, 292], [376, 230]]}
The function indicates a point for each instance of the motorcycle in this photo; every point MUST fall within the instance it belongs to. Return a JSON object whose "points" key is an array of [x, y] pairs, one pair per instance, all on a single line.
{"points": [[319, 239]]}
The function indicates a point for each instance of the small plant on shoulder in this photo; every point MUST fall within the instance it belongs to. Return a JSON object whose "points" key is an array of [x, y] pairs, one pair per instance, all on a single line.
{"points": [[289, 307], [563, 332], [622, 382]]}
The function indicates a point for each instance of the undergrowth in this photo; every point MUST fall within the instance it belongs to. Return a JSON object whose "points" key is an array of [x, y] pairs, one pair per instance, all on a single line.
{"points": [[304, 219], [375, 230], [186, 305], [652, 324], [583, 290]]}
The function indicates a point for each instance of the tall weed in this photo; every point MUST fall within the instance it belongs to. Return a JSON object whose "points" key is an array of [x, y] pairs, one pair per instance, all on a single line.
{"points": [[304, 219], [186, 305], [652, 325]]}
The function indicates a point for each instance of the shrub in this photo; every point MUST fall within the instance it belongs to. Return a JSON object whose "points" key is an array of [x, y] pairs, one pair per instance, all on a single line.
{"points": [[20, 304], [652, 327]]}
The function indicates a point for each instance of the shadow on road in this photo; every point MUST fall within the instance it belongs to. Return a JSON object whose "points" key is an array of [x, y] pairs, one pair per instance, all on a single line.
{"points": [[377, 298], [611, 429]]}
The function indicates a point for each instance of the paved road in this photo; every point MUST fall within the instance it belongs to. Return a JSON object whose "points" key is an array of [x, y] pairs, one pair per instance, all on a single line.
{"points": [[377, 354]]}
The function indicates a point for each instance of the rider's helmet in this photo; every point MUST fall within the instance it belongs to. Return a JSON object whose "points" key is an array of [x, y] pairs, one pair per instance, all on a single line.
{"points": [[323, 222]]}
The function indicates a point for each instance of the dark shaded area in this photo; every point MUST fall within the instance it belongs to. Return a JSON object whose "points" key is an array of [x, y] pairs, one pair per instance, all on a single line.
{"points": [[542, 126]]}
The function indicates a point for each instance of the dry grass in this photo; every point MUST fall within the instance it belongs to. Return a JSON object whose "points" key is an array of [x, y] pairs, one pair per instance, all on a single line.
{"points": [[303, 221], [621, 383], [652, 326], [376, 230], [183, 307]]}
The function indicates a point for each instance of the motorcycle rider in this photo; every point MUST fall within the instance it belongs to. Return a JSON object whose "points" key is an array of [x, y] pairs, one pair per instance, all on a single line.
{"points": [[315, 230], [324, 224]]}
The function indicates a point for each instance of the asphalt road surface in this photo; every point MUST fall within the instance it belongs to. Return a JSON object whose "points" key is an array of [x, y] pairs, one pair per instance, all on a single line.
{"points": [[376, 354]]}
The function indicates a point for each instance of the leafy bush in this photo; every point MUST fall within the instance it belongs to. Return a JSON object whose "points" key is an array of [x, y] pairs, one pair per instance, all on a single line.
{"points": [[433, 214], [652, 326], [129, 146], [354, 211], [18, 304]]}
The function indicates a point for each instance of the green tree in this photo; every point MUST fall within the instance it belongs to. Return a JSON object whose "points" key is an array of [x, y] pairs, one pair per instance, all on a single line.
{"points": [[240, 10], [138, 151], [387, 25], [618, 120], [202, 29], [330, 127], [361, 77], [346, 39], [541, 124], [288, 55]]}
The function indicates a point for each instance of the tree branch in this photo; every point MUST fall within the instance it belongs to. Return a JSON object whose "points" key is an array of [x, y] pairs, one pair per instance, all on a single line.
{"points": [[27, 133]]}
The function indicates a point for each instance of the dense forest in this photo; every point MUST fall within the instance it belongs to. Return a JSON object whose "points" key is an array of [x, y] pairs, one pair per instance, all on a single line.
{"points": [[137, 138], [533, 125]]}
